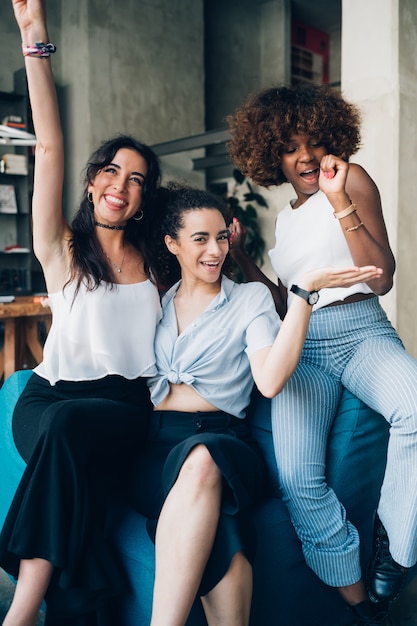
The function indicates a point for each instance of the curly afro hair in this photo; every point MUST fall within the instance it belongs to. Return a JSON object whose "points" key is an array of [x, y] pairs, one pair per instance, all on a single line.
{"points": [[263, 126]]}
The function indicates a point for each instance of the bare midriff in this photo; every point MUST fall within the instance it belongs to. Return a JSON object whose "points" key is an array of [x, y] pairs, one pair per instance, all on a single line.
{"points": [[182, 397]]}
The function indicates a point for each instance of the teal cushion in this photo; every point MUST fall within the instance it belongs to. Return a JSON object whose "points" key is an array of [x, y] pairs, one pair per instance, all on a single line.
{"points": [[11, 463]]}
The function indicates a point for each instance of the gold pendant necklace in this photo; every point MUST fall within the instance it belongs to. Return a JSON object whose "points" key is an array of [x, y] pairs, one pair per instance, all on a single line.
{"points": [[114, 265]]}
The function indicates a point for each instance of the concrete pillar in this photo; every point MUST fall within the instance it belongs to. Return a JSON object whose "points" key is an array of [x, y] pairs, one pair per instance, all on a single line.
{"points": [[125, 68], [247, 48], [275, 41], [379, 70], [407, 179]]}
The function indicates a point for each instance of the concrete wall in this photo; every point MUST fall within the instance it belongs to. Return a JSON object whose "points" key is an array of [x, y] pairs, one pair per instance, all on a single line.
{"points": [[406, 249], [130, 66], [247, 46], [379, 71], [370, 79]]}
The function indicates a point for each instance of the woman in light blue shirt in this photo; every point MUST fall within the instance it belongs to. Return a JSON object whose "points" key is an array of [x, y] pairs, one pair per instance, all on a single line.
{"points": [[203, 471]]}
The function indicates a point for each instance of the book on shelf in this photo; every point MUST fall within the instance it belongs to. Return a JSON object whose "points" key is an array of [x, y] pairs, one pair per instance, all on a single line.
{"points": [[8, 202], [14, 121], [16, 249], [15, 136], [15, 164]]}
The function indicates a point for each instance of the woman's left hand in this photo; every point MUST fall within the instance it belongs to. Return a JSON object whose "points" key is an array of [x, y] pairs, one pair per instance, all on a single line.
{"points": [[329, 277]]}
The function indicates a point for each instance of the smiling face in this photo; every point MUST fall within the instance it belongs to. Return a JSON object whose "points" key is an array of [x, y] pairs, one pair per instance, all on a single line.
{"points": [[117, 188], [300, 164], [201, 246]]}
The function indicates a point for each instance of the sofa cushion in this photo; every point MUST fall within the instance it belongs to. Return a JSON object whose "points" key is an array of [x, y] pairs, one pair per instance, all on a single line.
{"points": [[356, 457], [11, 463]]}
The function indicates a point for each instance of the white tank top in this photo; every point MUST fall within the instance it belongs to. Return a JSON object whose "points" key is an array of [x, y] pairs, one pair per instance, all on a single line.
{"points": [[307, 238], [101, 332]]}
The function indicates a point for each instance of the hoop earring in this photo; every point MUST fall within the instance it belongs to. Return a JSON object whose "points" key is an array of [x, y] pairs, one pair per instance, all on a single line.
{"points": [[90, 197], [140, 213]]}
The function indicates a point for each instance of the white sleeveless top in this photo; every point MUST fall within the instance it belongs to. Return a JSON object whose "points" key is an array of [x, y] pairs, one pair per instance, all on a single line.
{"points": [[307, 238], [101, 332]]}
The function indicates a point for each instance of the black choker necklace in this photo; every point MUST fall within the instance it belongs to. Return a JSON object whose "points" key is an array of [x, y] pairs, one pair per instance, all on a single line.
{"points": [[110, 226]]}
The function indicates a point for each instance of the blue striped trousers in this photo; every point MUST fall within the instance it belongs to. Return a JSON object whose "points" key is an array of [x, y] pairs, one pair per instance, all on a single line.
{"points": [[355, 346]]}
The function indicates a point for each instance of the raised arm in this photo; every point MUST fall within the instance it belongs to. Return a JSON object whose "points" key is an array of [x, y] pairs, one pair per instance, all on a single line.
{"points": [[272, 367], [364, 228], [50, 231]]}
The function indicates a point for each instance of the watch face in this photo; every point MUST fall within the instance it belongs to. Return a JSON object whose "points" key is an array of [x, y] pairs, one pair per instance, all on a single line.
{"points": [[313, 297]]}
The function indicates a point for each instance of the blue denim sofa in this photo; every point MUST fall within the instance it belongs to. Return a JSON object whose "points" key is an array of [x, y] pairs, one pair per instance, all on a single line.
{"points": [[286, 592]]}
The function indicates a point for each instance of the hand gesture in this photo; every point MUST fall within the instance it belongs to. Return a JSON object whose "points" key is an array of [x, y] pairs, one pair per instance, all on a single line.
{"points": [[328, 277], [237, 235], [333, 174]]}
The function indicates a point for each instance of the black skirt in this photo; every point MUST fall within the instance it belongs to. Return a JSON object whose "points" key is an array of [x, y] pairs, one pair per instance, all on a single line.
{"points": [[78, 439], [172, 436]]}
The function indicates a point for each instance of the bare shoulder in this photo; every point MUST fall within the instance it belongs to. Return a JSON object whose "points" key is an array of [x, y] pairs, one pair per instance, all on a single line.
{"points": [[358, 179]]}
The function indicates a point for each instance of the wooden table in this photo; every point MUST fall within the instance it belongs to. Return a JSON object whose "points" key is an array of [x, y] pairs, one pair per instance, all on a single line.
{"points": [[22, 342]]}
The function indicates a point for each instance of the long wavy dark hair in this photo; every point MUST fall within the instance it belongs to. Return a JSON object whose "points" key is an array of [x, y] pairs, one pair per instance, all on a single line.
{"points": [[88, 264], [173, 201]]}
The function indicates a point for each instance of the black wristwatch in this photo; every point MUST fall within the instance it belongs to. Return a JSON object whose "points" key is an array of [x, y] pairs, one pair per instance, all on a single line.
{"points": [[311, 297]]}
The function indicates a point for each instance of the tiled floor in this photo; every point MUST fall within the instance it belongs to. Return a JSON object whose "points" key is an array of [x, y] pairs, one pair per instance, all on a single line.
{"points": [[404, 612]]}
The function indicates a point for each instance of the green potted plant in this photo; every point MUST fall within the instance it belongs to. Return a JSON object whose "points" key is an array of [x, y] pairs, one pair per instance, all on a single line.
{"points": [[242, 204]]}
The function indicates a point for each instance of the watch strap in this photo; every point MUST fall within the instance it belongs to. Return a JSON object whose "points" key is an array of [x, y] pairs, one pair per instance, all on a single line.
{"points": [[303, 293], [311, 297]]}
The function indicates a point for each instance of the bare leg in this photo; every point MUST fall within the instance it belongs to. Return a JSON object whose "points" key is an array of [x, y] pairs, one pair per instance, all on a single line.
{"points": [[184, 537], [33, 581], [228, 604]]}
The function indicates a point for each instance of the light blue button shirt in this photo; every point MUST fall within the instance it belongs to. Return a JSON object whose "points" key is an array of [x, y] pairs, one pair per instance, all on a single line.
{"points": [[211, 354]]}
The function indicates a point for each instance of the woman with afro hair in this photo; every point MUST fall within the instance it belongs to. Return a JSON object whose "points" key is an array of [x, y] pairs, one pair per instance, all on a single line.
{"points": [[305, 135]]}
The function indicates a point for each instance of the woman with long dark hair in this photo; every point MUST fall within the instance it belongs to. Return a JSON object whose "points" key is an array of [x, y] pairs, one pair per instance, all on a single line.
{"points": [[84, 411]]}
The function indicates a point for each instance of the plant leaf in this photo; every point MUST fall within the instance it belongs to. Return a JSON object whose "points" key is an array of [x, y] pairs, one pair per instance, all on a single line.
{"points": [[238, 176]]}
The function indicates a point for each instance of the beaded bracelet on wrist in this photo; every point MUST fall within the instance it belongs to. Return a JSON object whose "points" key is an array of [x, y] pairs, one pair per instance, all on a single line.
{"points": [[40, 50]]}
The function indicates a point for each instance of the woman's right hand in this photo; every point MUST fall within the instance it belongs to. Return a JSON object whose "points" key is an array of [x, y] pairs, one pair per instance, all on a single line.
{"points": [[237, 236], [51, 233], [330, 277]]}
